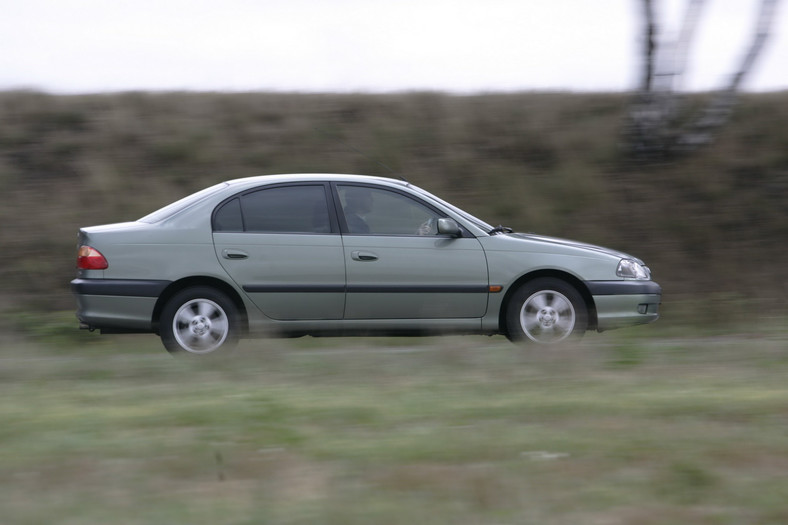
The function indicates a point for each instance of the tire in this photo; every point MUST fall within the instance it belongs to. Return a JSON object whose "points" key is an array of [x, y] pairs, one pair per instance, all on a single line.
{"points": [[546, 310], [199, 320]]}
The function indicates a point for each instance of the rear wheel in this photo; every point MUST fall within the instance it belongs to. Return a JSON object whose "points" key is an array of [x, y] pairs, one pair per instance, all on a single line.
{"points": [[199, 320], [546, 310]]}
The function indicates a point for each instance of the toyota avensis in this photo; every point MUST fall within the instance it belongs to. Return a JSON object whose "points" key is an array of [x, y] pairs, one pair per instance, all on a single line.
{"points": [[291, 255]]}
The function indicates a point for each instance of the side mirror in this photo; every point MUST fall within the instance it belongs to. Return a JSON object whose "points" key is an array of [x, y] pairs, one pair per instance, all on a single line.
{"points": [[448, 227]]}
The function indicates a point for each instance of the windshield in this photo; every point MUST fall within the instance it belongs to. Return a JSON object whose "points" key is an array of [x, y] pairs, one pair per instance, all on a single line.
{"points": [[171, 209], [464, 214]]}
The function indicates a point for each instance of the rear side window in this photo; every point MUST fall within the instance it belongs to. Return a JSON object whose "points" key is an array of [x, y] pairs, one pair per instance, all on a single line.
{"points": [[286, 209]]}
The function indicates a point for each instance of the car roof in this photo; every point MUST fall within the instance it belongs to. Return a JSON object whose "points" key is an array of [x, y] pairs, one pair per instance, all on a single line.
{"points": [[311, 177]]}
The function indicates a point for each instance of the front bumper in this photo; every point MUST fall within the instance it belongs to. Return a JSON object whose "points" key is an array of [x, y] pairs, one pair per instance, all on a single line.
{"points": [[625, 303]]}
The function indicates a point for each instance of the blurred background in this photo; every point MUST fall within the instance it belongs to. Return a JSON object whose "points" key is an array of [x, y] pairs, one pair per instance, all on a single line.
{"points": [[667, 146], [656, 127], [711, 224]]}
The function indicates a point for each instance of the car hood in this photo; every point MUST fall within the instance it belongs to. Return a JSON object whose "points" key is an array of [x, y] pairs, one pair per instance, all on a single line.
{"points": [[556, 241]]}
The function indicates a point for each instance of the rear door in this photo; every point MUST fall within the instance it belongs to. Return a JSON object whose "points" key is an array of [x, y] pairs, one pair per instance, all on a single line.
{"points": [[282, 246]]}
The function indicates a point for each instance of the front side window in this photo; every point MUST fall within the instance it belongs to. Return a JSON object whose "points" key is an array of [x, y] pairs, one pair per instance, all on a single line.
{"points": [[382, 212], [286, 209]]}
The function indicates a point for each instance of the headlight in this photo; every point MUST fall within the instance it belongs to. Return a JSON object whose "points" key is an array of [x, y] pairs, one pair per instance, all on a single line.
{"points": [[631, 269]]}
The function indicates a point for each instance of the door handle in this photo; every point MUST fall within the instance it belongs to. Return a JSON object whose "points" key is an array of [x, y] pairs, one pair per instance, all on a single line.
{"points": [[234, 254], [363, 256]]}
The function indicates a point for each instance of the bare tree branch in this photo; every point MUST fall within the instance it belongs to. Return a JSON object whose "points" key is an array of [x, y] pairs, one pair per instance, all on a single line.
{"points": [[680, 53], [654, 129], [650, 46], [763, 25], [719, 110]]}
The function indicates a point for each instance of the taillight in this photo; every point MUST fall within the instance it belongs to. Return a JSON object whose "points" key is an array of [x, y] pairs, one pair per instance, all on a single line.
{"points": [[90, 259]]}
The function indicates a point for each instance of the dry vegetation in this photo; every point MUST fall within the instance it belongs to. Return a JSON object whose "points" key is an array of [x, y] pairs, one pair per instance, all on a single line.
{"points": [[712, 226]]}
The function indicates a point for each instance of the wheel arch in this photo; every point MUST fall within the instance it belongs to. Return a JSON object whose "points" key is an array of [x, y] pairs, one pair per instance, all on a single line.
{"points": [[567, 277], [189, 282]]}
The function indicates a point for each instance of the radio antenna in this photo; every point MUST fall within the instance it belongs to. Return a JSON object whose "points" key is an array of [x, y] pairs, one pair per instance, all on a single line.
{"points": [[356, 150]]}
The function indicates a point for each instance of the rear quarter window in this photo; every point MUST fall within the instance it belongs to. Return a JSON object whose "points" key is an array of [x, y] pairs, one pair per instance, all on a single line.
{"points": [[228, 217]]}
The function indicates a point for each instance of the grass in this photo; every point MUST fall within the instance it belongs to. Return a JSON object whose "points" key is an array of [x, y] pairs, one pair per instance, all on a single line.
{"points": [[624, 428]]}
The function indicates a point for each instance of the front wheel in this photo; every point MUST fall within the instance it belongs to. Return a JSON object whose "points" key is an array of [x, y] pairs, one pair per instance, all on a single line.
{"points": [[199, 320], [546, 310]]}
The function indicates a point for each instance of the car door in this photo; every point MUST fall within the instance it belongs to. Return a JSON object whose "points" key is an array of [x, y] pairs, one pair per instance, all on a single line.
{"points": [[281, 245], [399, 267]]}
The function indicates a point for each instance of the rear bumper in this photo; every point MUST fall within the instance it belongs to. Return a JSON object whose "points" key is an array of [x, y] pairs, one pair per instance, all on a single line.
{"points": [[117, 305], [119, 287], [625, 303]]}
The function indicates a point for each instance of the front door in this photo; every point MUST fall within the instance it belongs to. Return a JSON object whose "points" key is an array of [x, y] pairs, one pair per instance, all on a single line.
{"points": [[399, 267]]}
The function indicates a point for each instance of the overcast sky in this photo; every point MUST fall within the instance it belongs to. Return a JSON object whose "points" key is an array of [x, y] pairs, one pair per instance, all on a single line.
{"points": [[464, 46]]}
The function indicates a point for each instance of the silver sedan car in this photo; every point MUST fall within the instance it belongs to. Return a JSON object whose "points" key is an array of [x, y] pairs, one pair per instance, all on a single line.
{"points": [[291, 255]]}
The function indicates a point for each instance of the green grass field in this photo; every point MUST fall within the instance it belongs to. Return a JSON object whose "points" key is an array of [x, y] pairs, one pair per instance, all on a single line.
{"points": [[635, 427]]}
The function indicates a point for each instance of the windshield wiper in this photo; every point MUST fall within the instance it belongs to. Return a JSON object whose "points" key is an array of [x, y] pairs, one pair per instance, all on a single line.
{"points": [[500, 229]]}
